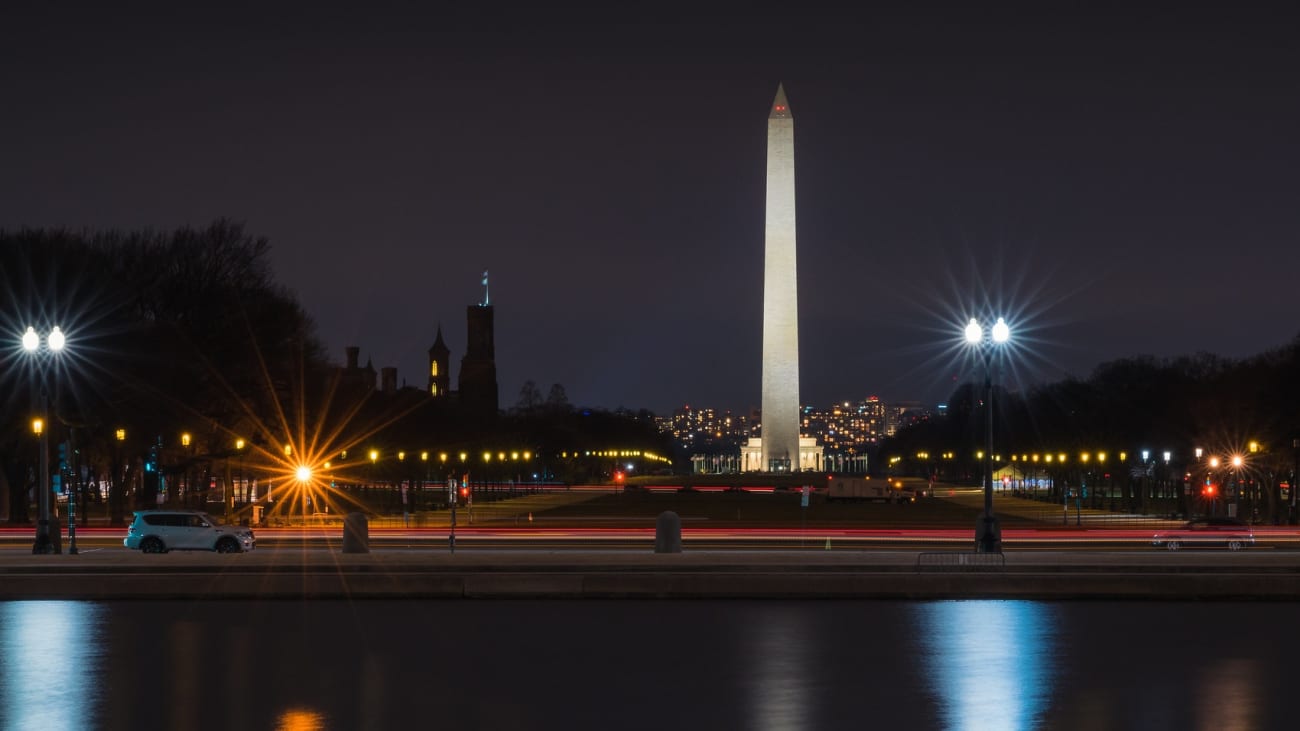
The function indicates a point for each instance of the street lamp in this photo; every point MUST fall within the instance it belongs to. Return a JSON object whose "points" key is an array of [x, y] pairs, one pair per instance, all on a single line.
{"points": [[243, 488], [988, 533], [54, 343], [1295, 477], [1237, 462], [116, 496], [303, 475]]}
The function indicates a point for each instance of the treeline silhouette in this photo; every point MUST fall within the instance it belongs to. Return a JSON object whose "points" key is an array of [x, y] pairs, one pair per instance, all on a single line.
{"points": [[189, 331], [1248, 407]]}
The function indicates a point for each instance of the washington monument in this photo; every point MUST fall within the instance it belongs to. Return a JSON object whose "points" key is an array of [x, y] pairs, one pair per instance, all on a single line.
{"points": [[780, 298]]}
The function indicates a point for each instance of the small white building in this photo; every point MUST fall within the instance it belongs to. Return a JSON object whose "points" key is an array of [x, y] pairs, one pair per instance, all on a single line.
{"points": [[810, 456]]}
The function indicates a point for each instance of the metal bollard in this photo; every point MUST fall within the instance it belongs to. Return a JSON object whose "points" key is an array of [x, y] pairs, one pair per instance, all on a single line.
{"points": [[668, 533], [356, 533]]}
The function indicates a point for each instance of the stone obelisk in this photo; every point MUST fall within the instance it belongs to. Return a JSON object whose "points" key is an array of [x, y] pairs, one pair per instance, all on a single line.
{"points": [[780, 417]]}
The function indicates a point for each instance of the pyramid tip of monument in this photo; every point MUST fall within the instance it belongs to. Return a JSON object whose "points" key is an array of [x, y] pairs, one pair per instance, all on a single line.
{"points": [[780, 106]]}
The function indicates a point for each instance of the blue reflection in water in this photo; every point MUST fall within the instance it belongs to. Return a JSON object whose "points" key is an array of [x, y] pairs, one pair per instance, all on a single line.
{"points": [[50, 656], [989, 662]]}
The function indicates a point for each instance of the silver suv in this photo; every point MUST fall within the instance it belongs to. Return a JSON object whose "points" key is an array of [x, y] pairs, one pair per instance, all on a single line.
{"points": [[160, 531], [1230, 533]]}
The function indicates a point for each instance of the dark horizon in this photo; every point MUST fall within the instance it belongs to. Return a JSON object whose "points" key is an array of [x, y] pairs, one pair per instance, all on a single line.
{"points": [[1118, 185]]}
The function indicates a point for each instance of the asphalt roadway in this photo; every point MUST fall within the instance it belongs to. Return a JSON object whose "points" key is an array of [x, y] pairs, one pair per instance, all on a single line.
{"points": [[304, 573]]}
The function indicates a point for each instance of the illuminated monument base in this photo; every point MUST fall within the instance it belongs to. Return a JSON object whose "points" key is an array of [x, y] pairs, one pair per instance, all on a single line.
{"points": [[810, 457]]}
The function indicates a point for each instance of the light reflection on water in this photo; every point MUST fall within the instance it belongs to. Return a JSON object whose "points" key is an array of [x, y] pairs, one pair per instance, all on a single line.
{"points": [[765, 666], [782, 667], [50, 672], [990, 662], [1227, 696]]}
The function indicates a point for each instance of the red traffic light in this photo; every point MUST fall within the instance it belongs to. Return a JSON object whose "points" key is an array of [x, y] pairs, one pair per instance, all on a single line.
{"points": [[464, 492], [1209, 490]]}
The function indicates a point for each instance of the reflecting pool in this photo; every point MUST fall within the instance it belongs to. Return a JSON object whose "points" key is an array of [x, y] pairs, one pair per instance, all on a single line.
{"points": [[768, 666]]}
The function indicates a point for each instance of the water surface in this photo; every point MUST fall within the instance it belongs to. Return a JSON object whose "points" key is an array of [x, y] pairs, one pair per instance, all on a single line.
{"points": [[961, 665]]}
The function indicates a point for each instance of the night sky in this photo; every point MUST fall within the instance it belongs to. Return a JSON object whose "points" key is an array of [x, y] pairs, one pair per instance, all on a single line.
{"points": [[1116, 182]]}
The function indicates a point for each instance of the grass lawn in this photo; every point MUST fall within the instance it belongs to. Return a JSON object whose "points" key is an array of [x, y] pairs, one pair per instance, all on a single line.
{"points": [[743, 509]]}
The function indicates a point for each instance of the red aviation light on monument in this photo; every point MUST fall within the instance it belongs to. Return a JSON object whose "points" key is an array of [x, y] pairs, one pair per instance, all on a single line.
{"points": [[780, 107]]}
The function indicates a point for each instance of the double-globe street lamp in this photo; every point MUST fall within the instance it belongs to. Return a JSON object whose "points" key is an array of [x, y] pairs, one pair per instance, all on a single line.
{"points": [[54, 343], [988, 533]]}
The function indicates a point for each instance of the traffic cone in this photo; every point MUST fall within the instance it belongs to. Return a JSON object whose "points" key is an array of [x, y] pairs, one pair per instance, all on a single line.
{"points": [[828, 543]]}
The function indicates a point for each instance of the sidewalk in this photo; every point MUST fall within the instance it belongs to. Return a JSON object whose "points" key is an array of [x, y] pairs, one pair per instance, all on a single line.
{"points": [[294, 573]]}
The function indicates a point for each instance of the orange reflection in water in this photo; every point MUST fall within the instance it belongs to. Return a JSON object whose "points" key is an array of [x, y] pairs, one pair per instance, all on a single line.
{"points": [[297, 719]]}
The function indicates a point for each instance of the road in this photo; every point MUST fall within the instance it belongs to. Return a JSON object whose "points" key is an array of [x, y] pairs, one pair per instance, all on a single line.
{"points": [[712, 539]]}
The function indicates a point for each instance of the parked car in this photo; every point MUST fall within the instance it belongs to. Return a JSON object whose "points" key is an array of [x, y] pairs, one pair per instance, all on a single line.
{"points": [[1230, 533], [160, 531]]}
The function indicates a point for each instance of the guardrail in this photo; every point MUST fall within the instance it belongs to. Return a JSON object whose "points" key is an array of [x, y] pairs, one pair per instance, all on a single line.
{"points": [[960, 561]]}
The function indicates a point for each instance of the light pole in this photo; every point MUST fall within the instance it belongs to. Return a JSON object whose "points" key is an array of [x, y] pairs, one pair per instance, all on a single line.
{"points": [[1237, 462], [1168, 480], [424, 479], [374, 469], [189, 490], [1209, 482], [988, 533], [242, 489], [403, 486], [54, 343], [1295, 476], [303, 474], [118, 495]]}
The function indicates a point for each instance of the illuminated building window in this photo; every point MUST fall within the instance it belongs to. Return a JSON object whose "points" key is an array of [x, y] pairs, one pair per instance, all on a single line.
{"points": [[433, 368], [433, 389]]}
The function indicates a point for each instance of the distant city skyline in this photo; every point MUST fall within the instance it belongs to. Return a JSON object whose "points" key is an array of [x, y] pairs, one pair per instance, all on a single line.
{"points": [[1116, 183]]}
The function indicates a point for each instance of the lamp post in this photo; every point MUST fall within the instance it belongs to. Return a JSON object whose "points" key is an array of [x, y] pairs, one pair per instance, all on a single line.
{"points": [[374, 469], [189, 453], [54, 343], [455, 499], [1237, 462], [239, 447], [1209, 482], [988, 533], [1168, 480], [303, 475], [424, 479], [1295, 477], [117, 492], [403, 485]]}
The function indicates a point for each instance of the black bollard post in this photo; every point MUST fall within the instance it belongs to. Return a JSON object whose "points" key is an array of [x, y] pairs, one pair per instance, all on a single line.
{"points": [[668, 533], [356, 533]]}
